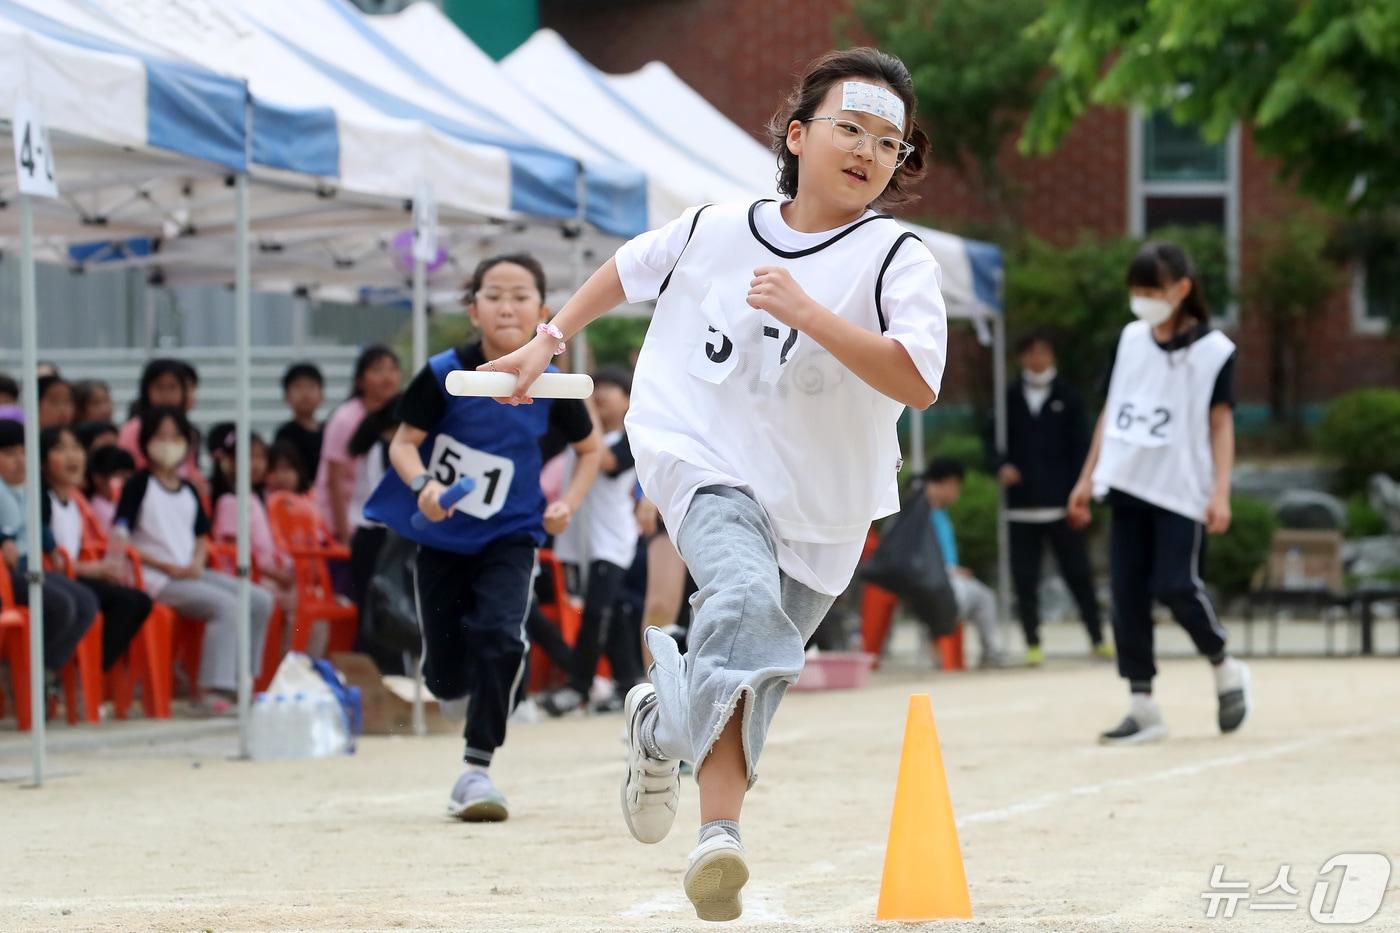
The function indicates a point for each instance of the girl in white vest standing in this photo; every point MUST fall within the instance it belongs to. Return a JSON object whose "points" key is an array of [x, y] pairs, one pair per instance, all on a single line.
{"points": [[1162, 456], [787, 339]]}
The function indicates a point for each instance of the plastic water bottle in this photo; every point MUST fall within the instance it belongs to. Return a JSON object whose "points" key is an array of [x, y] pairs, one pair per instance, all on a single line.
{"points": [[1293, 576], [258, 733], [268, 727], [117, 540], [334, 736]]}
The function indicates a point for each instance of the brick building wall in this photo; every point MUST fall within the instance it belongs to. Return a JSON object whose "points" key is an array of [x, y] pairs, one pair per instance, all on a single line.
{"points": [[744, 55]]}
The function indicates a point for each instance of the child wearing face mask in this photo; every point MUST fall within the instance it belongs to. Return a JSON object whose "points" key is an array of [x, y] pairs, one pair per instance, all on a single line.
{"points": [[169, 529], [1162, 455]]}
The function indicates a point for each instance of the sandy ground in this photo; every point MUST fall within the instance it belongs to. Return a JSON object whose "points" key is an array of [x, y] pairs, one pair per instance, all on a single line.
{"points": [[1057, 833]]}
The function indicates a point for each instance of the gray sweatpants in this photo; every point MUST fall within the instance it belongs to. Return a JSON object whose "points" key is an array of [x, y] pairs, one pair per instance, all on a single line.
{"points": [[214, 598], [751, 623]]}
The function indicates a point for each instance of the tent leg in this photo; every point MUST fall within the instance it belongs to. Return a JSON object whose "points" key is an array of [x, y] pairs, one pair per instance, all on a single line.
{"points": [[999, 407], [242, 363], [916, 440], [29, 324], [420, 358]]}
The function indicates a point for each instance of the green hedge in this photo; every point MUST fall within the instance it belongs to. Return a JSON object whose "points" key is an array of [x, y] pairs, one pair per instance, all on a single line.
{"points": [[974, 518], [1361, 432], [1233, 558]]}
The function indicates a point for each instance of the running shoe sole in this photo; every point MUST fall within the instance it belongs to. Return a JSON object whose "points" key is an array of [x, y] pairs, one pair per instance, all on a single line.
{"points": [[714, 883]]}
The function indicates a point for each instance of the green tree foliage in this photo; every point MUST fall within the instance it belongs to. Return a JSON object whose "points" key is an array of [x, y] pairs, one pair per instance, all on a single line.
{"points": [[1361, 432], [1288, 286], [974, 72], [1317, 80], [1233, 558]]}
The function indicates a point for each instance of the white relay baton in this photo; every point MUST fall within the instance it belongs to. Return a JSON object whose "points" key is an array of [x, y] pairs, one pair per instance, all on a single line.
{"points": [[502, 385]]}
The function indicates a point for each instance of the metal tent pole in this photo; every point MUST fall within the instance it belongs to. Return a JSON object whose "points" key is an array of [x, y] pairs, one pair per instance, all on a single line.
{"points": [[242, 363], [33, 538], [999, 407]]}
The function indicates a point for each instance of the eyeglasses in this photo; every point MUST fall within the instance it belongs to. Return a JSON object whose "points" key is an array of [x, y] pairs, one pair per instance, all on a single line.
{"points": [[890, 151]]}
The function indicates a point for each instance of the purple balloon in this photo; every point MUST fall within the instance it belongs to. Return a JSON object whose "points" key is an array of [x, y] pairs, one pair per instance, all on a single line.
{"points": [[401, 250]]}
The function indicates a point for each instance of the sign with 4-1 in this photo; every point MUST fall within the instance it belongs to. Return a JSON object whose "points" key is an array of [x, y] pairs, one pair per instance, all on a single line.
{"points": [[33, 154]]}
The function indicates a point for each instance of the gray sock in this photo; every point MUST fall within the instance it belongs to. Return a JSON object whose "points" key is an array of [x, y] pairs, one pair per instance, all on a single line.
{"points": [[720, 826]]}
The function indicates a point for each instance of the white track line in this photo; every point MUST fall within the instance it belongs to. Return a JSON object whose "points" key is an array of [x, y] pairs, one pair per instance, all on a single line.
{"points": [[1044, 801]]}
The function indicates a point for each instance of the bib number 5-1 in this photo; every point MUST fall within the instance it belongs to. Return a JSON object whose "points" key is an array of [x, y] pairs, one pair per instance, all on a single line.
{"points": [[451, 460], [1145, 425]]}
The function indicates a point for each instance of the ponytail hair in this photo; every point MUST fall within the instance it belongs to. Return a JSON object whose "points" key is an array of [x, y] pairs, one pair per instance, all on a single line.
{"points": [[1160, 264]]}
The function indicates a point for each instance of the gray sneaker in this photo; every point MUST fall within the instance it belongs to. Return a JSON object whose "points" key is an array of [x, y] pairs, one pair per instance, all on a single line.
{"points": [[475, 799]]}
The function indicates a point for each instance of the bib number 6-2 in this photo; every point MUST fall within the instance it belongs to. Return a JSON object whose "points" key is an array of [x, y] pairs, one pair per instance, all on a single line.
{"points": [[1146, 427], [451, 460]]}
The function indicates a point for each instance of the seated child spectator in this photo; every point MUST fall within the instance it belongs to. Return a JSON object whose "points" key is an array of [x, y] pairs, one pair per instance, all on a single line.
{"points": [[108, 469], [95, 434], [93, 401], [124, 608], [169, 529], [977, 602], [285, 471], [303, 389], [69, 609], [9, 390], [164, 382], [273, 565], [55, 403]]}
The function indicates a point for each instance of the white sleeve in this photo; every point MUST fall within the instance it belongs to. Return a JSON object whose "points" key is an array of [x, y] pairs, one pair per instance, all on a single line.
{"points": [[644, 261], [915, 315]]}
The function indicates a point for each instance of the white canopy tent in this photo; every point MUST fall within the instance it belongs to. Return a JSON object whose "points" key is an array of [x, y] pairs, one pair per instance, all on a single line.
{"points": [[149, 146], [120, 123]]}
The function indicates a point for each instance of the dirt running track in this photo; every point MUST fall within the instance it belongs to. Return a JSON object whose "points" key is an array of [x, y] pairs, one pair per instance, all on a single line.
{"points": [[1057, 833]]}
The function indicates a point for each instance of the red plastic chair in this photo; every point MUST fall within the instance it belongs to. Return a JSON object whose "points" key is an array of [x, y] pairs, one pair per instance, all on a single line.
{"points": [[223, 556], [298, 530], [147, 659], [86, 664], [14, 649], [877, 607], [565, 614]]}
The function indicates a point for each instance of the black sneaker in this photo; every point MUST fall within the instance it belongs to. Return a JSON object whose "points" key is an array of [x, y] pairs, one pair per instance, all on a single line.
{"points": [[1132, 732]]}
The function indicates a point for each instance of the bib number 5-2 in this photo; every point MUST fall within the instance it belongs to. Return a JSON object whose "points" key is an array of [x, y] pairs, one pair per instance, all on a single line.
{"points": [[1142, 424], [451, 460]]}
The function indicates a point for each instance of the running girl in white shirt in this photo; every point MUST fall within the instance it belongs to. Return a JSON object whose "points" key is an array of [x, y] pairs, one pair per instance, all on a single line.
{"points": [[787, 339]]}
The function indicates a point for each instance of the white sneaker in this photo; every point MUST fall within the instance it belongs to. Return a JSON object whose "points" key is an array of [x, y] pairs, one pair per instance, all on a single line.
{"points": [[716, 877], [475, 798], [1144, 723], [652, 789], [1232, 692]]}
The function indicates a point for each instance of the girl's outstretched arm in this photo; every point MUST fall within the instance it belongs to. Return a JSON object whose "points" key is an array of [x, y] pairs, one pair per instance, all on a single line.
{"points": [[600, 294]]}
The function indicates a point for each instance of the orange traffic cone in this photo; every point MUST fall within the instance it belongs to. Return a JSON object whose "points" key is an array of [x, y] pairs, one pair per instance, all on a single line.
{"points": [[924, 877]]}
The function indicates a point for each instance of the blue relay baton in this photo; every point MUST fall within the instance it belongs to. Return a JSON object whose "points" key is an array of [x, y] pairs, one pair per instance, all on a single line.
{"points": [[450, 497]]}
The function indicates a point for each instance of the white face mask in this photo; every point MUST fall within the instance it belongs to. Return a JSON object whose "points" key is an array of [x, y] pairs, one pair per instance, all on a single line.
{"points": [[1039, 380], [167, 453], [1152, 310]]}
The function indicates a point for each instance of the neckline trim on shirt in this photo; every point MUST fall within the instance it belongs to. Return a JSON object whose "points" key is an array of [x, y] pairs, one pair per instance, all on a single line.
{"points": [[798, 254]]}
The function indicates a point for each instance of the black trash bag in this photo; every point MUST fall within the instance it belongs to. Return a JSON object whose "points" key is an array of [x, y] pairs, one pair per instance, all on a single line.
{"points": [[390, 613], [909, 563]]}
